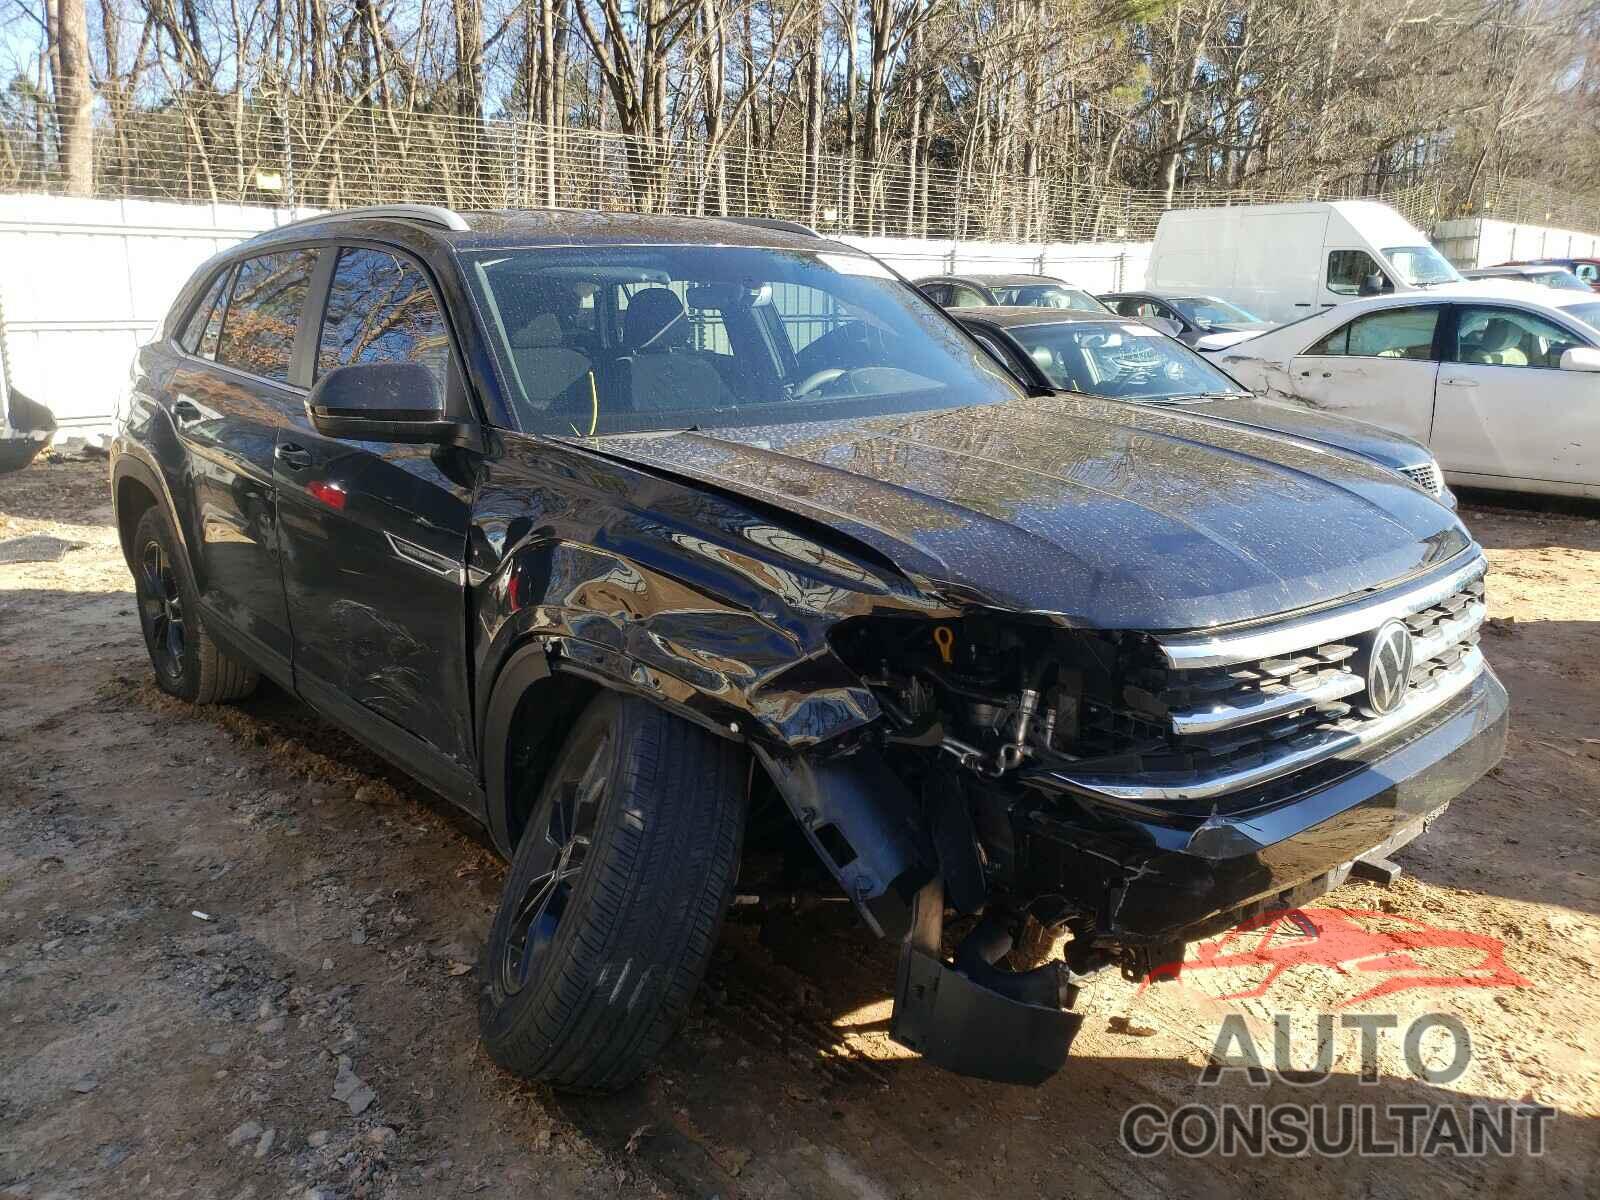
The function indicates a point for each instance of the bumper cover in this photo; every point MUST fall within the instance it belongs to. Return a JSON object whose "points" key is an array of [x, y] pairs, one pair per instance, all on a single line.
{"points": [[1152, 877]]}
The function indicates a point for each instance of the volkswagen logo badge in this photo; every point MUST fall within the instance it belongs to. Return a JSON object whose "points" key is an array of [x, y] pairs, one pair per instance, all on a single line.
{"points": [[1386, 667]]}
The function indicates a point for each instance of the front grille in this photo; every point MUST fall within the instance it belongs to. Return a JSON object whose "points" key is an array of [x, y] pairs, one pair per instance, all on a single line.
{"points": [[1238, 709], [1224, 713], [1426, 477]]}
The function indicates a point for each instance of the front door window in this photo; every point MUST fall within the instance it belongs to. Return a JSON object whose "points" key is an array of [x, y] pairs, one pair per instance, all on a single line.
{"points": [[1348, 269]]}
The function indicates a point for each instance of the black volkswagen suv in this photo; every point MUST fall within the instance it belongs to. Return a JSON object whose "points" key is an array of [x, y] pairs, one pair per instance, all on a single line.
{"points": [[618, 531]]}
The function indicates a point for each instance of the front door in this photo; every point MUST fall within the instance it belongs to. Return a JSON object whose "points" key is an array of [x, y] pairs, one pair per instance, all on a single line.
{"points": [[1379, 367], [374, 535], [1506, 409], [1347, 271]]}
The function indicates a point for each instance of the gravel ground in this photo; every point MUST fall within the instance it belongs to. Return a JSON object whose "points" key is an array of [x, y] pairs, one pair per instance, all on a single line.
{"points": [[313, 1034]]}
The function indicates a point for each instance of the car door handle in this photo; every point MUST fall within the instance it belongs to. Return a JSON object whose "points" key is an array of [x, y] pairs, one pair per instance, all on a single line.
{"points": [[1459, 382], [1307, 374], [296, 458], [185, 411]]}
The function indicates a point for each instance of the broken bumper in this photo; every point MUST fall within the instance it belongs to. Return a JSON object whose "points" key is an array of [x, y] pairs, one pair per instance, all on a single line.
{"points": [[1155, 878]]}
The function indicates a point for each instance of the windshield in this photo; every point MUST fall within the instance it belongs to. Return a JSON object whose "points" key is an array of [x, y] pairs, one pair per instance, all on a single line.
{"points": [[1208, 310], [1046, 295], [1121, 360], [1563, 279], [1421, 266], [613, 339], [1589, 313]]}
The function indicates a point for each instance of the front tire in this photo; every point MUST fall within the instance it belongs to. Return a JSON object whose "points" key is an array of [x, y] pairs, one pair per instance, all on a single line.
{"points": [[188, 664], [615, 897]]}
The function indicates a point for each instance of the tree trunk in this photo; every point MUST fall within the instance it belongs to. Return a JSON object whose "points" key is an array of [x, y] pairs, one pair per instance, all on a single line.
{"points": [[74, 94]]}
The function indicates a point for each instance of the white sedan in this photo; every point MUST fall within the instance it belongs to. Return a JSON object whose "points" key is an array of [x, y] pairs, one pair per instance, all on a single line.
{"points": [[1500, 380]]}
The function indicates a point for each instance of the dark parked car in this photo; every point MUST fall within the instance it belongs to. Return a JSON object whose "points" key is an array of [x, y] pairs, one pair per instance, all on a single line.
{"points": [[641, 538], [1544, 274], [969, 291], [1124, 360], [1192, 316], [1586, 269]]}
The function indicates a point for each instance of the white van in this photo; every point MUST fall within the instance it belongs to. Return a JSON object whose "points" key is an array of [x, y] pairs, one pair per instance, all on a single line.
{"points": [[1287, 261]]}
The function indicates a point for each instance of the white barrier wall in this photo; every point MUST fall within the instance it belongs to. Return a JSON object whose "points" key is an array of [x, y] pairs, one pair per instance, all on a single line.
{"points": [[84, 282], [1097, 266], [1480, 242]]}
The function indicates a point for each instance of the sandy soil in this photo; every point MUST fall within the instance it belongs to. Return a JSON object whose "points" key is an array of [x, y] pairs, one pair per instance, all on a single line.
{"points": [[145, 1050]]}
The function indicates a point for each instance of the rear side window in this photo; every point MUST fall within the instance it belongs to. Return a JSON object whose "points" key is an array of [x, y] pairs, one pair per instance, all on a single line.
{"points": [[1392, 333], [381, 310], [269, 294], [200, 335]]}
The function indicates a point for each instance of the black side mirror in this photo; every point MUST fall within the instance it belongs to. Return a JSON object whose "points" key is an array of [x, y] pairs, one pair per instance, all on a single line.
{"points": [[382, 402]]}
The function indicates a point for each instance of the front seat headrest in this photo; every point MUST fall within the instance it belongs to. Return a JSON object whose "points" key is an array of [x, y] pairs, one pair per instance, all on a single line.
{"points": [[655, 320], [543, 330], [1498, 334]]}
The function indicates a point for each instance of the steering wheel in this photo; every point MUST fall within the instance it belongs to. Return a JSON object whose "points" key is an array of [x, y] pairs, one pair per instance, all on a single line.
{"points": [[817, 378]]}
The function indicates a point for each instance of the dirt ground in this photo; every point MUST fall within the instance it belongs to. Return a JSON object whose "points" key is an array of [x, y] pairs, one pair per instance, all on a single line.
{"points": [[314, 1033]]}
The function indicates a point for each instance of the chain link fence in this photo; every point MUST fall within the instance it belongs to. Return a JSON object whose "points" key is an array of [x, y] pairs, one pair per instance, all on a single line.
{"points": [[328, 154]]}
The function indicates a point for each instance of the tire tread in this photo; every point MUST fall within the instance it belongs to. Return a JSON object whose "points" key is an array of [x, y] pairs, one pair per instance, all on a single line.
{"points": [[651, 905]]}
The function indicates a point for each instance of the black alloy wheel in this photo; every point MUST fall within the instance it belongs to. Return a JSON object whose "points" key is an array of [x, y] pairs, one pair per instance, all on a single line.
{"points": [[623, 870], [161, 608], [564, 833]]}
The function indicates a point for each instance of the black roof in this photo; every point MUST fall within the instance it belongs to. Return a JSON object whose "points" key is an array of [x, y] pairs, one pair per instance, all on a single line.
{"points": [[1018, 316], [1146, 293], [505, 228]]}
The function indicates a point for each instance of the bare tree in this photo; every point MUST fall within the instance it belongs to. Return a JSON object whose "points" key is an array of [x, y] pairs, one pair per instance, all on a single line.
{"points": [[74, 94]]}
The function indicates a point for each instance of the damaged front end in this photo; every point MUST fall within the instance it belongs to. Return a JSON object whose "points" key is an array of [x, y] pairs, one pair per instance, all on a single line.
{"points": [[1127, 791]]}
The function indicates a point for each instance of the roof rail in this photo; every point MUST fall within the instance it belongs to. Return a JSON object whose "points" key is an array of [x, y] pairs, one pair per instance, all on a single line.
{"points": [[774, 223], [428, 214]]}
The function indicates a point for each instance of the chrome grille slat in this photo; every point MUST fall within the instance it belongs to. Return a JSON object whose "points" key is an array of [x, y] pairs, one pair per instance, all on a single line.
{"points": [[1236, 722], [1427, 477], [1263, 705], [1224, 649], [1284, 758], [1439, 637]]}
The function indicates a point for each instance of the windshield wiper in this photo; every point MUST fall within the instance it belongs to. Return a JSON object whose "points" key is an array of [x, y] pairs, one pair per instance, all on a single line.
{"points": [[1197, 396]]}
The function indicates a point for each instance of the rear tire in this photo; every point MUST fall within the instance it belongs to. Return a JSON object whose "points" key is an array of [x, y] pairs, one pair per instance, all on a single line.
{"points": [[187, 662], [615, 897]]}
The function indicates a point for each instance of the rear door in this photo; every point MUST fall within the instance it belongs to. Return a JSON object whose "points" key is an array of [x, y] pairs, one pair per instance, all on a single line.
{"points": [[1506, 409], [374, 533], [230, 395], [1379, 367]]}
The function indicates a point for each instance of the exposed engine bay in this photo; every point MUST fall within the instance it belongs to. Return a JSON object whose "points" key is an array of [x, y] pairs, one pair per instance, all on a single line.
{"points": [[997, 694], [977, 709], [964, 802]]}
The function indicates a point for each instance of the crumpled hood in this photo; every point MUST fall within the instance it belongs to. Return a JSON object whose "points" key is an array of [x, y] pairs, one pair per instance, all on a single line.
{"points": [[1300, 420], [1112, 516]]}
